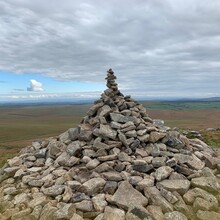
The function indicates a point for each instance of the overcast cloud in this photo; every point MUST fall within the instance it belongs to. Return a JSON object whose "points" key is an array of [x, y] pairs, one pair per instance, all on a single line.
{"points": [[158, 47]]}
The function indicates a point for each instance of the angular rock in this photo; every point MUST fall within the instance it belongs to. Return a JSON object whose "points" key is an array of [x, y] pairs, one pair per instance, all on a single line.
{"points": [[113, 214], [181, 186], [137, 213], [163, 173], [204, 215], [53, 190], [155, 198], [92, 186], [99, 202], [124, 200], [207, 183], [174, 215]]}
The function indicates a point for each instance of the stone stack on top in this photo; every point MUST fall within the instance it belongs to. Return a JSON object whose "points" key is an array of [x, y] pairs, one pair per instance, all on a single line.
{"points": [[118, 163]]}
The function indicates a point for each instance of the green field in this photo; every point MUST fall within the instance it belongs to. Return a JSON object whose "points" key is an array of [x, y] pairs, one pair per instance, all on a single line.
{"points": [[20, 125], [180, 105]]}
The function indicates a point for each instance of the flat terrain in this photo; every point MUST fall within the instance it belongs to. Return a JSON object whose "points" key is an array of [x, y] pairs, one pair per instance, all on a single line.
{"points": [[20, 125]]}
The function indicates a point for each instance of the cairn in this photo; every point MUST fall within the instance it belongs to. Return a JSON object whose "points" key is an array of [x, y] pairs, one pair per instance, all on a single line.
{"points": [[118, 163]]}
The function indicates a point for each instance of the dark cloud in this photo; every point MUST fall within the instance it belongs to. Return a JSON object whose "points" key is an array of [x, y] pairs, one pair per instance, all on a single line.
{"points": [[163, 47]]}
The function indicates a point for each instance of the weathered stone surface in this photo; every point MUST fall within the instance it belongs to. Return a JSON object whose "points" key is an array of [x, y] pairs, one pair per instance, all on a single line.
{"points": [[181, 186], [156, 136], [73, 133], [107, 131], [23, 214], [74, 148], [65, 211], [155, 198], [207, 183], [155, 211], [99, 202], [137, 213], [110, 187], [93, 186], [174, 215], [124, 200], [53, 190], [112, 176], [190, 196], [113, 214], [163, 173], [143, 168], [85, 206], [206, 215], [48, 212]]}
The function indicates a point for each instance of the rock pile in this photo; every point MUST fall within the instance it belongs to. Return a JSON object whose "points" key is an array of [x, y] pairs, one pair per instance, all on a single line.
{"points": [[117, 164]]}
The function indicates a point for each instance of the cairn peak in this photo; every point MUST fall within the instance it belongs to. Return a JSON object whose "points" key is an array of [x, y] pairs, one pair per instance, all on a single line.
{"points": [[118, 163]]}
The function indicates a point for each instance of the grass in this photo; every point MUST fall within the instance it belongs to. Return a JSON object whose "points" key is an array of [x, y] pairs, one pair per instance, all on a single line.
{"points": [[20, 125]]}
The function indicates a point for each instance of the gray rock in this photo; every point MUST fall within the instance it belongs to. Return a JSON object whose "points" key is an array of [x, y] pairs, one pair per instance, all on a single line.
{"points": [[121, 118], [124, 200], [74, 148], [148, 181], [159, 161], [113, 214], [195, 163], [131, 133], [76, 217], [93, 186], [115, 125], [163, 173], [145, 138], [143, 168], [174, 215], [53, 149], [86, 132], [84, 206], [181, 186], [155, 211], [210, 184], [48, 212], [73, 133], [122, 156], [138, 213], [99, 202], [203, 204], [53, 190], [92, 164], [156, 136], [79, 197], [65, 211], [110, 187], [205, 215], [190, 196], [107, 131], [112, 176], [155, 198]]}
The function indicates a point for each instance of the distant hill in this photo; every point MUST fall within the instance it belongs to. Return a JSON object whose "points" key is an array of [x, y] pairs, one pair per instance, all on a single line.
{"points": [[212, 99]]}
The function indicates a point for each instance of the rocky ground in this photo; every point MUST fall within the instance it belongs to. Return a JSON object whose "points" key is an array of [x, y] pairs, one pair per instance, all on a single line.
{"points": [[117, 164]]}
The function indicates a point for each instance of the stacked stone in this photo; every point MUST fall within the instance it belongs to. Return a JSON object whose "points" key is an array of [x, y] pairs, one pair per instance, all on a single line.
{"points": [[117, 164]]}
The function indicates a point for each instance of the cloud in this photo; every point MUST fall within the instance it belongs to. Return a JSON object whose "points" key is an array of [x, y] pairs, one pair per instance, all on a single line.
{"points": [[167, 45], [35, 86], [2, 81]]}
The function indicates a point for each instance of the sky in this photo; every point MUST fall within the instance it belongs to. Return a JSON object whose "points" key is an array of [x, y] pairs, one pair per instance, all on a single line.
{"points": [[60, 50]]}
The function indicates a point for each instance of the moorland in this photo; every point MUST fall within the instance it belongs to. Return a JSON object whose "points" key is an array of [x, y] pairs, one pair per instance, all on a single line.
{"points": [[22, 124]]}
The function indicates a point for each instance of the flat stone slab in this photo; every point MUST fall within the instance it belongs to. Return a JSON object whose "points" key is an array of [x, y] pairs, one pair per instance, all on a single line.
{"points": [[126, 196]]}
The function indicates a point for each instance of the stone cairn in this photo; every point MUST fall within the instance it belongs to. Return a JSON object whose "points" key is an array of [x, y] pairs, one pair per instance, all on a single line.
{"points": [[117, 164]]}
